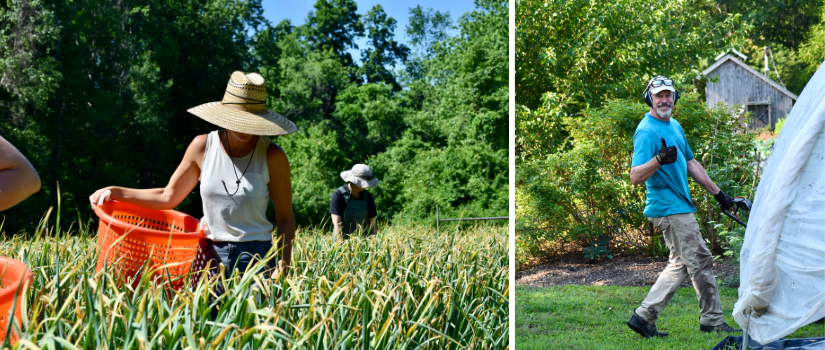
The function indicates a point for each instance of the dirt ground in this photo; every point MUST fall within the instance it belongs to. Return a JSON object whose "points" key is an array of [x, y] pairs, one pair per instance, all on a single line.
{"points": [[635, 271]]}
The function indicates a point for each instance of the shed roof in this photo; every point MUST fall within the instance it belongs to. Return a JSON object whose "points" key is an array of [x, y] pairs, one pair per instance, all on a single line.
{"points": [[733, 59]]}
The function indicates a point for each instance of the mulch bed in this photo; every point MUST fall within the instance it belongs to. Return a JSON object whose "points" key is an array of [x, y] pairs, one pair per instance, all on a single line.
{"points": [[632, 271]]}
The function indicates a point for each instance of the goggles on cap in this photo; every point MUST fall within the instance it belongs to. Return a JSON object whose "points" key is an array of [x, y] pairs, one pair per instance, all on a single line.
{"points": [[660, 81]]}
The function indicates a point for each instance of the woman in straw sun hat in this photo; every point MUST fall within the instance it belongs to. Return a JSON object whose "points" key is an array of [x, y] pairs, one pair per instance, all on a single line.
{"points": [[240, 171], [352, 207]]}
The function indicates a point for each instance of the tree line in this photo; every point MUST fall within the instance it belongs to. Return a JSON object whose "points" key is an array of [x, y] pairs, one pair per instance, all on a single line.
{"points": [[95, 93]]}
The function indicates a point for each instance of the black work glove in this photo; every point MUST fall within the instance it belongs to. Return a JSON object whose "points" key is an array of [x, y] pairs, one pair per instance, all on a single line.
{"points": [[667, 155], [724, 200]]}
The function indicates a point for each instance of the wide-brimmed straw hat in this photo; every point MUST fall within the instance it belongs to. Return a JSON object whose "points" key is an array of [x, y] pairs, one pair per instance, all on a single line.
{"points": [[361, 175], [243, 108]]}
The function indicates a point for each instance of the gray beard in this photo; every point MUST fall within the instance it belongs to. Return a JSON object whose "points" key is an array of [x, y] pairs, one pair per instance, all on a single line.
{"points": [[664, 114]]}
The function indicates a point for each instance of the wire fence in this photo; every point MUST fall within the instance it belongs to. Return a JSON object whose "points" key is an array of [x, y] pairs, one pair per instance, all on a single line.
{"points": [[439, 220]]}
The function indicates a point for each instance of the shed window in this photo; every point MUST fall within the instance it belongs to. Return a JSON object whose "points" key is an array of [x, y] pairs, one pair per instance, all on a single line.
{"points": [[760, 116]]}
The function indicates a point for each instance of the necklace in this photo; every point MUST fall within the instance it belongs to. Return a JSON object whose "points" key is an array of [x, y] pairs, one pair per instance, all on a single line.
{"points": [[238, 179]]}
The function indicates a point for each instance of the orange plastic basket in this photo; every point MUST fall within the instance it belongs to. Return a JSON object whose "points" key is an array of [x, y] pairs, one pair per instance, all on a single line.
{"points": [[162, 241], [14, 273]]}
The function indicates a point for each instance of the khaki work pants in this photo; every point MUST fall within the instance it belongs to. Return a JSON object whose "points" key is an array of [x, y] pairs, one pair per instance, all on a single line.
{"points": [[688, 257]]}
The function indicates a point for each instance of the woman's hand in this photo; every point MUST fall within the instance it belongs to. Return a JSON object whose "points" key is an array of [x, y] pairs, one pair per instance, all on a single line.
{"points": [[100, 196]]}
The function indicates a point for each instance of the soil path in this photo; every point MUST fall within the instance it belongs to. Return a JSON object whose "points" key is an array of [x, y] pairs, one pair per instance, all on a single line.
{"points": [[635, 271]]}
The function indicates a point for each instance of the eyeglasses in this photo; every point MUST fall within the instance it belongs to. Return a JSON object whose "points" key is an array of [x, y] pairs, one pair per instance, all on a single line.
{"points": [[659, 82]]}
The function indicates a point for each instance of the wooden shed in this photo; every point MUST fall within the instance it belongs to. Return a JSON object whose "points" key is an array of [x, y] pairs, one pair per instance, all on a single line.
{"points": [[739, 84]]}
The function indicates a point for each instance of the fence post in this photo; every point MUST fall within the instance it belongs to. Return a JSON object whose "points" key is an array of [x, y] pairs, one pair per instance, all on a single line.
{"points": [[437, 223]]}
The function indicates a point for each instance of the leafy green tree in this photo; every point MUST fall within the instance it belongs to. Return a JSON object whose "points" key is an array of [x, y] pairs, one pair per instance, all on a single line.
{"points": [[428, 27], [334, 25], [309, 82], [812, 51], [267, 54], [150, 122], [479, 65], [93, 106], [29, 74], [453, 152], [385, 50], [370, 118], [774, 21], [587, 54]]}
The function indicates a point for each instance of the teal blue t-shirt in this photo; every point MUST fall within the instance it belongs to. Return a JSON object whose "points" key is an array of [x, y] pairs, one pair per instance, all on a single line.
{"points": [[667, 189]]}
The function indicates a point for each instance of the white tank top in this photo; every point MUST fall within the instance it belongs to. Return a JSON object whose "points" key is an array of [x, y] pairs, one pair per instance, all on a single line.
{"points": [[242, 216]]}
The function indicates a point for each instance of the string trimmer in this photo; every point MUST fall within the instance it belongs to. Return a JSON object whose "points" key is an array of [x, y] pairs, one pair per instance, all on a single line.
{"points": [[738, 203]]}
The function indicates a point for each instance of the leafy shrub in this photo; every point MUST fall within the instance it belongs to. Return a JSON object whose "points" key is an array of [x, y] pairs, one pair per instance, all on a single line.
{"points": [[468, 180], [734, 238], [598, 250]]}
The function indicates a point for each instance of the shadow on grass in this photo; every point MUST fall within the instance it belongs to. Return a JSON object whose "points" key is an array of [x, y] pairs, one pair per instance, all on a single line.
{"points": [[593, 317]]}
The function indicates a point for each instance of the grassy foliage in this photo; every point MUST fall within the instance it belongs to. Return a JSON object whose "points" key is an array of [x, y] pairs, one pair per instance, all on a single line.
{"points": [[589, 317], [405, 288]]}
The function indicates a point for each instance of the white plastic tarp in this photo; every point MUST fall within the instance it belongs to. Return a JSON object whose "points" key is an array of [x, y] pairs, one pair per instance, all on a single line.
{"points": [[783, 256]]}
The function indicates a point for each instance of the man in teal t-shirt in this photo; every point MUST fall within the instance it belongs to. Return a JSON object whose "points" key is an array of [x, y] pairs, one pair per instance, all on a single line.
{"points": [[667, 188], [662, 160]]}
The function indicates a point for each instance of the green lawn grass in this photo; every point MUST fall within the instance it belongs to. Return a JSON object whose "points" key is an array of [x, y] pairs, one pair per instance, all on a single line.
{"points": [[593, 317]]}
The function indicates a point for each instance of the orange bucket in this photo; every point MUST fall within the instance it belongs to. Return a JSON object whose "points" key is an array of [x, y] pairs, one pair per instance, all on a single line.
{"points": [[163, 241], [14, 273]]}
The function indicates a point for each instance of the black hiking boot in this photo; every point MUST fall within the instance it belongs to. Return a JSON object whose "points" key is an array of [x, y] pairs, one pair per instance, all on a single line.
{"points": [[639, 325], [722, 328]]}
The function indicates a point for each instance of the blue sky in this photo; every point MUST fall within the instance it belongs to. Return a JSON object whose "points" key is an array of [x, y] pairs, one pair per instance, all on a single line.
{"points": [[277, 10]]}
